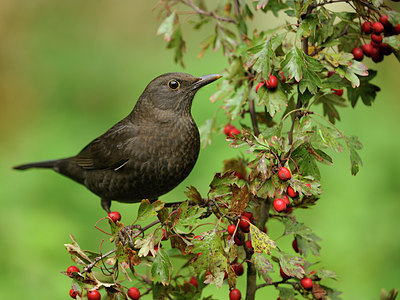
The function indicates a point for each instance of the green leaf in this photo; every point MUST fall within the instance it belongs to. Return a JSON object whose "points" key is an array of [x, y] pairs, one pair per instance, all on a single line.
{"points": [[193, 194], [273, 100], [291, 264], [304, 69], [286, 293], [329, 103], [207, 130], [235, 101], [367, 91], [147, 209], [305, 159], [167, 27], [263, 266], [187, 217], [178, 44], [353, 145], [162, 267]]}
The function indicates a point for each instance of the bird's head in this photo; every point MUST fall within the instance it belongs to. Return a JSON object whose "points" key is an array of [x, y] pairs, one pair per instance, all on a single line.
{"points": [[175, 91]]}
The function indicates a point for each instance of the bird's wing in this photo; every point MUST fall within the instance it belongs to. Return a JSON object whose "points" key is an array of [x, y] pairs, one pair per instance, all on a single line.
{"points": [[107, 151]]}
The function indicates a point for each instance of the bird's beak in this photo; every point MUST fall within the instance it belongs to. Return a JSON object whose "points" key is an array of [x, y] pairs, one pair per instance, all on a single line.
{"points": [[204, 80]]}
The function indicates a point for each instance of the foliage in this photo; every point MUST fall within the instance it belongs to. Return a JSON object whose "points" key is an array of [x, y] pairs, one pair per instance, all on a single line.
{"points": [[292, 126]]}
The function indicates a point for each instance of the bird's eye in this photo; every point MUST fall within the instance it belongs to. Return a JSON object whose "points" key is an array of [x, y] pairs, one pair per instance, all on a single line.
{"points": [[173, 84]]}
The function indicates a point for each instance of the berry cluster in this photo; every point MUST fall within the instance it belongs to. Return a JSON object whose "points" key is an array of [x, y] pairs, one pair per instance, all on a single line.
{"points": [[376, 48], [239, 235]]}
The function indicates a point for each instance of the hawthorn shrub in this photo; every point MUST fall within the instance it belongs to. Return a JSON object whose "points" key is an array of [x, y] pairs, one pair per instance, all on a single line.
{"points": [[280, 93]]}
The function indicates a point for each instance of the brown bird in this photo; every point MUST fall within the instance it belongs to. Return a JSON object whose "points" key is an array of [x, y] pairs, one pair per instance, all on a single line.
{"points": [[146, 154]]}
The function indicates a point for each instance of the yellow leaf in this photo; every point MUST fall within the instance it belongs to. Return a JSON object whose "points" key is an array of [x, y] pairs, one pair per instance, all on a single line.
{"points": [[260, 240]]}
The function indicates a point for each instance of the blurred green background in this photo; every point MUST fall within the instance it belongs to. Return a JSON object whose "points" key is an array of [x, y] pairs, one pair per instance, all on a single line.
{"points": [[70, 69]]}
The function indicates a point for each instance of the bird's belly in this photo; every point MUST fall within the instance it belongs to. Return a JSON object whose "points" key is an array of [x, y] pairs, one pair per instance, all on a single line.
{"points": [[145, 178]]}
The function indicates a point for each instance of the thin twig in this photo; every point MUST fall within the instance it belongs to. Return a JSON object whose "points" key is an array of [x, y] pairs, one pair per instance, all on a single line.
{"points": [[97, 259], [207, 13]]}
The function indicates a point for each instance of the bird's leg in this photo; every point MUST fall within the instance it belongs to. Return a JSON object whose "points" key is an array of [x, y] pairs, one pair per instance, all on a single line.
{"points": [[105, 204]]}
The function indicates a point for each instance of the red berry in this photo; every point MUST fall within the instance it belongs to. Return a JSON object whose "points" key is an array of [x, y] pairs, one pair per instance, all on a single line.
{"points": [[385, 49], [93, 295], [279, 204], [377, 38], [330, 73], [291, 192], [114, 216], [309, 185], [338, 92], [377, 27], [384, 20], [358, 54], [237, 241], [193, 281], [282, 76], [283, 274], [366, 27], [228, 128], [286, 199], [294, 245], [367, 49], [164, 235], [238, 269], [235, 295], [73, 293], [248, 215], [234, 131], [134, 293], [231, 229], [396, 29], [306, 283], [72, 269], [260, 84], [376, 56], [249, 245], [244, 223], [284, 174], [273, 82]]}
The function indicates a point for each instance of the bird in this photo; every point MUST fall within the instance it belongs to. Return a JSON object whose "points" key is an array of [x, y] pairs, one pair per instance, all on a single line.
{"points": [[146, 154]]}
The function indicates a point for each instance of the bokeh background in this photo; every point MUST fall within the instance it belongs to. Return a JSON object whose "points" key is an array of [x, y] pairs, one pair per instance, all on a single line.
{"points": [[71, 69]]}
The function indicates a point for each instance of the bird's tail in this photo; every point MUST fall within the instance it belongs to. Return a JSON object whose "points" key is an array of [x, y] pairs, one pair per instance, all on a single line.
{"points": [[47, 164]]}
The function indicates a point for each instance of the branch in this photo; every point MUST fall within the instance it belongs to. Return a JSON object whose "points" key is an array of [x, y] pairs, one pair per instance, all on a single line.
{"points": [[207, 13], [253, 115]]}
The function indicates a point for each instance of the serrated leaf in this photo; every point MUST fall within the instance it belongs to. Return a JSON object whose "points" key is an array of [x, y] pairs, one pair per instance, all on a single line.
{"points": [[303, 68], [353, 145], [145, 245], [260, 240], [162, 267], [193, 194], [286, 293], [147, 209], [367, 91], [167, 27], [306, 161], [291, 265], [187, 217], [272, 100], [329, 103], [263, 266], [306, 239], [234, 102]]}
